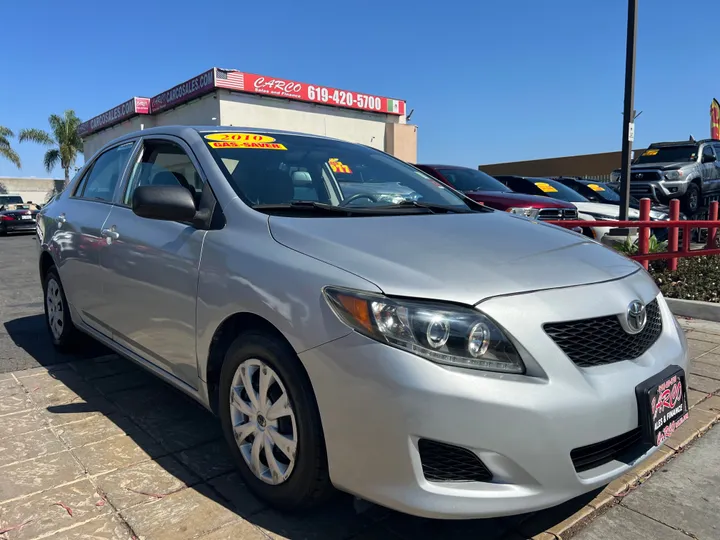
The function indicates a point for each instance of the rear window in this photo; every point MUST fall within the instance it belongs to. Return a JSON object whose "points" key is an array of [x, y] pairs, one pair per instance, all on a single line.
{"points": [[10, 199], [472, 180], [266, 169]]}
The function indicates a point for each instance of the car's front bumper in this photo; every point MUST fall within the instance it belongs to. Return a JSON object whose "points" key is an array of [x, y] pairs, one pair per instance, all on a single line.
{"points": [[376, 402], [658, 191]]}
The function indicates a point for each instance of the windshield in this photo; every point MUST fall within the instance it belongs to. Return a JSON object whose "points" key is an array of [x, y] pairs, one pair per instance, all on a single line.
{"points": [[10, 199], [614, 187], [668, 154], [282, 169], [472, 180], [556, 190]]}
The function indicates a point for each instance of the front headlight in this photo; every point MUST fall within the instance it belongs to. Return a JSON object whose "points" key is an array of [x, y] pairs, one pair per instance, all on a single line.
{"points": [[531, 213], [674, 175], [615, 176], [445, 334]]}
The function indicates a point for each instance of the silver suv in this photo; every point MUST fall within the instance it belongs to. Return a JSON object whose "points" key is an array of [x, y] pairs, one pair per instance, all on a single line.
{"points": [[428, 354], [686, 170]]}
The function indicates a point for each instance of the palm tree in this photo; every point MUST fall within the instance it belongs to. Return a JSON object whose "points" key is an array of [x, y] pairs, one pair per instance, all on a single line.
{"points": [[5, 150], [64, 139]]}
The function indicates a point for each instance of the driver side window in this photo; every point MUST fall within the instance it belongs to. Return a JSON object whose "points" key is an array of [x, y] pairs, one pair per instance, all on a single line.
{"points": [[164, 163]]}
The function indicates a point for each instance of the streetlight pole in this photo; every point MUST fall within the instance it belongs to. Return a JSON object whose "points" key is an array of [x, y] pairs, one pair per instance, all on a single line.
{"points": [[628, 109]]}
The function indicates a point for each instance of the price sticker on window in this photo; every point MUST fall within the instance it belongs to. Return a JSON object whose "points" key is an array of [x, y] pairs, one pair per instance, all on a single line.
{"points": [[595, 187], [338, 166], [651, 152], [545, 187]]}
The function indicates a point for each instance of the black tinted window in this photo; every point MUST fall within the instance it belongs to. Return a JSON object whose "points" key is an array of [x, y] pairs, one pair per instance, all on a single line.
{"points": [[100, 181], [471, 180]]}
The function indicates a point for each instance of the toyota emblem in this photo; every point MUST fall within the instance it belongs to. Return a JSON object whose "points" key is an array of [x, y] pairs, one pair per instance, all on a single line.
{"points": [[639, 175], [636, 317]]}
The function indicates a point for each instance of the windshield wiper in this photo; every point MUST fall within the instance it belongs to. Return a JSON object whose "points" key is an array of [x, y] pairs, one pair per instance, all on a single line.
{"points": [[323, 208], [434, 208]]}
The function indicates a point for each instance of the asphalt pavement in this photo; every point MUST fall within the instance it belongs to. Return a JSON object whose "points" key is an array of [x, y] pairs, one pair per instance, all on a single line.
{"points": [[24, 340]]}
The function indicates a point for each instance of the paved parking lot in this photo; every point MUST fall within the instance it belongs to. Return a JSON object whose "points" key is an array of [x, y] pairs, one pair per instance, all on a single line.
{"points": [[93, 447]]}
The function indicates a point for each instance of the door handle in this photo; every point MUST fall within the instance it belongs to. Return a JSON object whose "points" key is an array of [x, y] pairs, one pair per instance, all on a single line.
{"points": [[110, 233]]}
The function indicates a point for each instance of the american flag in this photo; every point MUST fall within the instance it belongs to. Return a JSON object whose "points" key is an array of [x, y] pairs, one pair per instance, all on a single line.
{"points": [[232, 80]]}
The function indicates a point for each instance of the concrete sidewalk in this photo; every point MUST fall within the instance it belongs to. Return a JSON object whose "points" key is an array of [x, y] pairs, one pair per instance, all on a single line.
{"points": [[100, 449]]}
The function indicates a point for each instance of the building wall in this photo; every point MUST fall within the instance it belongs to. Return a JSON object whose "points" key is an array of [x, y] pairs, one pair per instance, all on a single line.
{"points": [[94, 142], [589, 165], [37, 190], [401, 141], [261, 112]]}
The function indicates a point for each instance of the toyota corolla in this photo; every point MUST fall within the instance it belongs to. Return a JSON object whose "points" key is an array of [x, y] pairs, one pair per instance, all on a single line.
{"points": [[425, 352]]}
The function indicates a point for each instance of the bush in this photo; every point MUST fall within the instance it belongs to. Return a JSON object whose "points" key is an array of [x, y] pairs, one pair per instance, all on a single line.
{"points": [[696, 278]]}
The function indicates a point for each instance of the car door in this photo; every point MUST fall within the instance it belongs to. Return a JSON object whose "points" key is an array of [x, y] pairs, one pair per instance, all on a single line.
{"points": [[76, 239], [708, 164], [151, 266]]}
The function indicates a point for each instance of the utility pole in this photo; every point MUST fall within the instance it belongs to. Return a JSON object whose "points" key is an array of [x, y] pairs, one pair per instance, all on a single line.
{"points": [[628, 109]]}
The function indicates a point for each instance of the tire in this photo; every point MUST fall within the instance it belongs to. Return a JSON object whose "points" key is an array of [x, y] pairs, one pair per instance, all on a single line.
{"points": [[296, 483], [691, 199], [63, 334]]}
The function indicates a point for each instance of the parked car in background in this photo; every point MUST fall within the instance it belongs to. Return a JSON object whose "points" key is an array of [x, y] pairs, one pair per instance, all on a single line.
{"points": [[6, 199], [17, 217], [685, 170], [431, 355], [607, 193], [587, 210], [483, 188]]}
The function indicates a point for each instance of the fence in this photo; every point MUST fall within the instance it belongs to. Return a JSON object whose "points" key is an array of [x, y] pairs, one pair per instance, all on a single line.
{"points": [[674, 225]]}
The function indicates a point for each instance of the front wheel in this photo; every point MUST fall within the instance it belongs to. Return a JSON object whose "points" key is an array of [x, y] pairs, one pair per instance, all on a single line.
{"points": [[691, 200], [63, 333], [271, 422]]}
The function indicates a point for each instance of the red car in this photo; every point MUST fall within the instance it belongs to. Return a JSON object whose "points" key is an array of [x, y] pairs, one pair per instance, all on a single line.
{"points": [[485, 189]]}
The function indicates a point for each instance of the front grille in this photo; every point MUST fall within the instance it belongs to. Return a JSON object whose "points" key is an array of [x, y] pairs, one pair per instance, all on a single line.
{"points": [[646, 176], [446, 463], [626, 448], [602, 340], [557, 214]]}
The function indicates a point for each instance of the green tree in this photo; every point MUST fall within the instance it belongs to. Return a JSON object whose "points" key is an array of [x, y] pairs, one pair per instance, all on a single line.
{"points": [[6, 150], [63, 138]]}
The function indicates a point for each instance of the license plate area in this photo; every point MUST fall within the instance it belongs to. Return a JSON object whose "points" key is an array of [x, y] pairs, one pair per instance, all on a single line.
{"points": [[662, 404], [25, 217]]}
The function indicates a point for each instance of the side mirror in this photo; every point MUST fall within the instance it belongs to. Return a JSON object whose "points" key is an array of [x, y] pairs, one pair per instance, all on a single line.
{"points": [[167, 203], [708, 159]]}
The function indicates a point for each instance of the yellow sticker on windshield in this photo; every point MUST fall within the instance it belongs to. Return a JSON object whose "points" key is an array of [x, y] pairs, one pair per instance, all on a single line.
{"points": [[651, 152], [239, 137], [545, 187], [595, 187], [240, 144], [338, 166]]}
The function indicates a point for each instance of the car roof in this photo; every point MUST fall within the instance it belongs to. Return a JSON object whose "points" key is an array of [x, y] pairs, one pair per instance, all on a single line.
{"points": [[438, 166], [683, 143], [180, 130]]}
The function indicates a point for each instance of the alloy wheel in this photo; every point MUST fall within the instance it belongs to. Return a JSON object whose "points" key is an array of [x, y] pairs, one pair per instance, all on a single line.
{"points": [[55, 308], [263, 421]]}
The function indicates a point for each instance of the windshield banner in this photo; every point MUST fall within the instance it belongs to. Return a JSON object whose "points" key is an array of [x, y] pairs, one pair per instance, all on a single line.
{"points": [[287, 89], [715, 120]]}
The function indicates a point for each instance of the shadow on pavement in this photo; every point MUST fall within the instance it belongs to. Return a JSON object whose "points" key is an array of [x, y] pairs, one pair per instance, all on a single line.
{"points": [[180, 446], [30, 334]]}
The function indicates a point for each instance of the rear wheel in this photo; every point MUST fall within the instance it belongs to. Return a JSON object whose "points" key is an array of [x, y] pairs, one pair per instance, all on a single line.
{"points": [[63, 333], [271, 422]]}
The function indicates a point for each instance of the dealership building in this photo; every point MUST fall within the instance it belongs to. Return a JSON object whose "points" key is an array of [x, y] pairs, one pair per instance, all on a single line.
{"points": [[229, 97]]}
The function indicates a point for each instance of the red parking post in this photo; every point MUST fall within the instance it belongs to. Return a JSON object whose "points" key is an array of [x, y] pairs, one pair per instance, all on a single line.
{"points": [[712, 231], [644, 239], [673, 233]]}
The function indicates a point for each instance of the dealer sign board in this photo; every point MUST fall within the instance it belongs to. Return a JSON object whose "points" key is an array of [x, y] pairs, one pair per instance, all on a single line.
{"points": [[132, 107], [287, 89], [190, 89]]}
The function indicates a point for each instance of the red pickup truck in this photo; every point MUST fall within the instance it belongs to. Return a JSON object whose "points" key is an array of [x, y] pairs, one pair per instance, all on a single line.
{"points": [[485, 189]]}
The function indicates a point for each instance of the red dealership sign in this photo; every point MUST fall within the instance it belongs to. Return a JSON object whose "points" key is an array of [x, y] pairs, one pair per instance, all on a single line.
{"points": [[132, 107], [324, 95], [186, 91]]}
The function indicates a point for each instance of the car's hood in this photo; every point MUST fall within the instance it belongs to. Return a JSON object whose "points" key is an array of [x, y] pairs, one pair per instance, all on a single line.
{"points": [[610, 210], [512, 199], [462, 258], [664, 165]]}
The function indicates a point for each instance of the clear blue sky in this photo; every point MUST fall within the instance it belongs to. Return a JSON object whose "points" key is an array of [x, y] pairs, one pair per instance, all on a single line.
{"points": [[489, 81]]}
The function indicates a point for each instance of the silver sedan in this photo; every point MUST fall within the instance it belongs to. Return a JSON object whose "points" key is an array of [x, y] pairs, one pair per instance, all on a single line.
{"points": [[356, 325]]}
